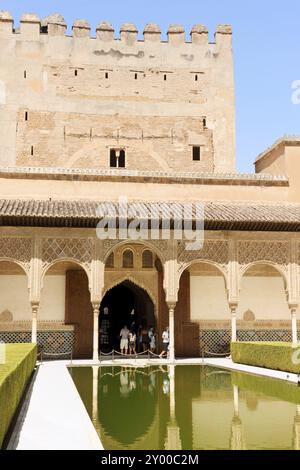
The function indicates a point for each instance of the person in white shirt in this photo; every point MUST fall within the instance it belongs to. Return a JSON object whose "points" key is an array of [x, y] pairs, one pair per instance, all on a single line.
{"points": [[166, 341], [124, 334]]}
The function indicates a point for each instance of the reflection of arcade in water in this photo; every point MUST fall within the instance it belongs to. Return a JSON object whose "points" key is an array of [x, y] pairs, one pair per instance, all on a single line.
{"points": [[188, 407], [125, 304]]}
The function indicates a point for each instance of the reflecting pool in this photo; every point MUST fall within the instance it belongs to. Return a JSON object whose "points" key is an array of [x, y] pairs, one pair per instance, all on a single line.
{"points": [[189, 407]]}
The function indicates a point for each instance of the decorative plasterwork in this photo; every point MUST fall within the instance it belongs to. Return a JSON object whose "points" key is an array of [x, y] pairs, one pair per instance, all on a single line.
{"points": [[77, 249], [216, 251], [276, 252], [18, 250]]}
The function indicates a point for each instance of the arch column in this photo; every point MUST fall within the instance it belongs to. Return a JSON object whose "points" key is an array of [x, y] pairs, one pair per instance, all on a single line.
{"points": [[171, 287], [96, 312], [96, 288], [171, 307], [233, 287], [34, 310], [293, 309], [35, 285], [233, 309]]}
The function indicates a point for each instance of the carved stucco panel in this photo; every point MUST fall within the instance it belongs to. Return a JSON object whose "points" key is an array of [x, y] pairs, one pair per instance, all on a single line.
{"points": [[17, 249], [216, 251], [274, 251], [78, 249]]}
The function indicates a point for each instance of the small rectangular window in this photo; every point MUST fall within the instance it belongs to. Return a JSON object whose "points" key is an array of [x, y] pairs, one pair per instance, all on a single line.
{"points": [[25, 74], [75, 73], [196, 78], [121, 160], [106, 74], [165, 77], [204, 122], [26, 115], [117, 158], [135, 76], [196, 153], [31, 151], [112, 159]]}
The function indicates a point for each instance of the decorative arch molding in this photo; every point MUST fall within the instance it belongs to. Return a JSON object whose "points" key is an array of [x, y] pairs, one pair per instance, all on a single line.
{"points": [[215, 251], [219, 267], [137, 282], [16, 250], [79, 249], [25, 269], [283, 273], [48, 266], [75, 250]]}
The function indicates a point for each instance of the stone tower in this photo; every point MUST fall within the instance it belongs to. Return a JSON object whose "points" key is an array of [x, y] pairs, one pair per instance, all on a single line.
{"points": [[104, 102]]}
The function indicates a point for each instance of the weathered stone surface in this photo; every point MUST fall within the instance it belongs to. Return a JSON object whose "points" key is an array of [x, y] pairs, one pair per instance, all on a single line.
{"points": [[30, 18], [5, 16]]}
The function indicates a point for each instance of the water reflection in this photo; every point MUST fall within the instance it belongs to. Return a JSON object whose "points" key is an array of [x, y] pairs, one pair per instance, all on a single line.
{"points": [[189, 407]]}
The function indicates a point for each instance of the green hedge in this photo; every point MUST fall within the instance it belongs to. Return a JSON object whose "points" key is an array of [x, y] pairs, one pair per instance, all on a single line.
{"points": [[277, 356], [14, 374]]}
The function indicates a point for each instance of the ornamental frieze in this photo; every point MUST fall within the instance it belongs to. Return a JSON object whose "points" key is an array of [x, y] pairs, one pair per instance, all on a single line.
{"points": [[78, 249], [250, 251], [212, 250], [16, 249]]}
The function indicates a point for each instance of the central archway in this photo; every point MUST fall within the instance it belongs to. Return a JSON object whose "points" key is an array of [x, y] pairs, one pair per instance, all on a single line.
{"points": [[124, 304]]}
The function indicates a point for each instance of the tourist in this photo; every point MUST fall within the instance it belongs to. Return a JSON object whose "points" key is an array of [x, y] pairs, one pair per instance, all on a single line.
{"points": [[152, 340], [166, 341], [124, 334], [132, 342]]}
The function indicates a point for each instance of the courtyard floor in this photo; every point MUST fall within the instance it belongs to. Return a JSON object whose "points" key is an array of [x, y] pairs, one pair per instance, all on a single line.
{"points": [[53, 416]]}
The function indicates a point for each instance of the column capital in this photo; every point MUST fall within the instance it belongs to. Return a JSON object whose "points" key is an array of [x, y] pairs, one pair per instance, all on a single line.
{"points": [[171, 305], [293, 308], [233, 307], [34, 306], [95, 306]]}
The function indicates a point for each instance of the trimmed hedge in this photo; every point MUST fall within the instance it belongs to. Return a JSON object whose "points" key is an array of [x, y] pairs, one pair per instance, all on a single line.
{"points": [[14, 375], [277, 356]]}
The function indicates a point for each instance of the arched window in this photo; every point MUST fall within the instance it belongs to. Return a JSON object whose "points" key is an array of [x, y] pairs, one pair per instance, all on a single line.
{"points": [[110, 262], [127, 259], [147, 259]]}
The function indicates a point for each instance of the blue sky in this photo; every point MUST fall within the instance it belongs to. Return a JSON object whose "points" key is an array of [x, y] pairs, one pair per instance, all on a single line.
{"points": [[266, 52]]}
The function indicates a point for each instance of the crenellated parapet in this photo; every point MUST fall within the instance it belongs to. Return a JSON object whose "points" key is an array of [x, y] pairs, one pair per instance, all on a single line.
{"points": [[31, 27]]}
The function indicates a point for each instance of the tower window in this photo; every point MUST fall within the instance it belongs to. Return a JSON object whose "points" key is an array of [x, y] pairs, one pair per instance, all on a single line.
{"points": [[204, 122], [31, 151], [128, 259], [196, 78], [26, 115], [25, 74], [135, 76], [75, 73], [147, 259], [165, 77], [106, 74], [196, 153], [117, 158], [110, 262]]}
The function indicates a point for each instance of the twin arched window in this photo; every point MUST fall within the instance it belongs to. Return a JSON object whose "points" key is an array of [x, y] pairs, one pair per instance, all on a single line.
{"points": [[147, 259], [128, 259], [110, 262]]}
